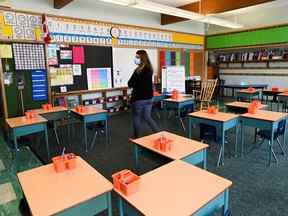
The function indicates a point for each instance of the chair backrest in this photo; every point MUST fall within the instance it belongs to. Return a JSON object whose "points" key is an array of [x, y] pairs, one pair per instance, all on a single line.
{"points": [[281, 127], [207, 89]]}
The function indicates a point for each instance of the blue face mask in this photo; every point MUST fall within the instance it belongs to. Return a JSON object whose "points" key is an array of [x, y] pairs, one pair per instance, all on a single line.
{"points": [[137, 61]]}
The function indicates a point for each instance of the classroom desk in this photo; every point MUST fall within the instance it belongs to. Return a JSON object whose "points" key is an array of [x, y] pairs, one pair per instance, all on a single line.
{"points": [[221, 121], [282, 98], [176, 104], [91, 114], [81, 191], [244, 93], [266, 120], [268, 92], [21, 126], [241, 107], [55, 114], [158, 98], [235, 87], [188, 150], [177, 188]]}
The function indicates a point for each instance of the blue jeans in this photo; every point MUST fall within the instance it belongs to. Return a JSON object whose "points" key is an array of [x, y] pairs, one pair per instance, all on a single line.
{"points": [[141, 110]]}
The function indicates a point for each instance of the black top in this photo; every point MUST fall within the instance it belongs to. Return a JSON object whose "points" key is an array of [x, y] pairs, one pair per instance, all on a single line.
{"points": [[141, 82]]}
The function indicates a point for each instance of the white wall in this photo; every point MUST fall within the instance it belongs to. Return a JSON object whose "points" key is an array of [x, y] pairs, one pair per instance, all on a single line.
{"points": [[96, 10]]}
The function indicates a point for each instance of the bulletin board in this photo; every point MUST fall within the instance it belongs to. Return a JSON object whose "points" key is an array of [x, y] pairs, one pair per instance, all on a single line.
{"points": [[124, 66], [74, 67], [16, 66]]}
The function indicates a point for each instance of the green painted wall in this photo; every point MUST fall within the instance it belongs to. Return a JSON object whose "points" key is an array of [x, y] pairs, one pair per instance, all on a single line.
{"points": [[248, 38]]}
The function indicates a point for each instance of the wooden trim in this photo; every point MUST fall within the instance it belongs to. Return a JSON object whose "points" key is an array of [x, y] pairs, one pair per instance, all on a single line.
{"points": [[81, 92], [48, 74], [3, 92], [58, 4]]}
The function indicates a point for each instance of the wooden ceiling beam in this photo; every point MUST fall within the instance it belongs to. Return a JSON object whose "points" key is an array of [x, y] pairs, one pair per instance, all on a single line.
{"points": [[58, 4], [211, 7]]}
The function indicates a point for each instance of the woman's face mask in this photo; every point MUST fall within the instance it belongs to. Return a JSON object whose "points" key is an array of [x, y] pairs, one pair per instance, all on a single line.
{"points": [[137, 61]]}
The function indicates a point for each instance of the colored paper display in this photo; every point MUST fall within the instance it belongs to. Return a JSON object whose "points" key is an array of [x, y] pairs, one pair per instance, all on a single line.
{"points": [[39, 85], [99, 78], [78, 55], [52, 54], [5, 51], [66, 54], [77, 70], [29, 56], [61, 76]]}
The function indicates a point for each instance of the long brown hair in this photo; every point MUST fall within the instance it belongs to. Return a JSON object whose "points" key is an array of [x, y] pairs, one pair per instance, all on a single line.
{"points": [[145, 61]]}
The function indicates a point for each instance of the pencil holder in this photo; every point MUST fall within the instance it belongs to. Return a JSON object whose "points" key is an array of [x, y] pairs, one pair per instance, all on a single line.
{"points": [[59, 163], [70, 161], [252, 109], [163, 144], [30, 115], [275, 89], [251, 89], [256, 103], [47, 106], [80, 108], [126, 181], [118, 176], [174, 94], [212, 110]]}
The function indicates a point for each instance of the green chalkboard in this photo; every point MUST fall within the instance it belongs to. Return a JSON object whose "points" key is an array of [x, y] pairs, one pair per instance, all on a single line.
{"points": [[248, 38]]}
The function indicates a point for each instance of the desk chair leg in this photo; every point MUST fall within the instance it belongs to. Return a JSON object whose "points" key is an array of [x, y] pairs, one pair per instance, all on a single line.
{"points": [[219, 161], [182, 124], [55, 132], [282, 148], [94, 139], [85, 136], [271, 153]]}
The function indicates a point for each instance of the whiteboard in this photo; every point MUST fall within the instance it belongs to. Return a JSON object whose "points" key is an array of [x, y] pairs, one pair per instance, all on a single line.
{"points": [[123, 64], [174, 78]]}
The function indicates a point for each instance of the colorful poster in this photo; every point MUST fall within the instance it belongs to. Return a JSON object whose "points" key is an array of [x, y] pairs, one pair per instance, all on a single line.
{"points": [[66, 54], [168, 58], [78, 55], [175, 78], [178, 58], [5, 51], [99, 78], [52, 54], [39, 85], [61, 76], [77, 70]]}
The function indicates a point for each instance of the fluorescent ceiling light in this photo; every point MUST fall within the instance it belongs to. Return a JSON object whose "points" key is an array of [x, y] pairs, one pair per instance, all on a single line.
{"points": [[120, 2], [173, 11]]}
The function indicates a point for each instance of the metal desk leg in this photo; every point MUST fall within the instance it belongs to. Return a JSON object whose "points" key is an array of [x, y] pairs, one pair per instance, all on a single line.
{"points": [[190, 128], [205, 159], [109, 204], [236, 140], [120, 204], [47, 143], [226, 202], [242, 138], [85, 135], [136, 155], [271, 151]]}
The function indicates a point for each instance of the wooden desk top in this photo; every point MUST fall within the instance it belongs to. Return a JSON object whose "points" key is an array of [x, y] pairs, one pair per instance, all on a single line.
{"points": [[284, 94], [182, 99], [243, 105], [220, 116], [48, 192], [177, 188], [181, 146], [266, 115], [53, 110], [274, 92], [90, 110], [246, 91], [23, 121]]}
